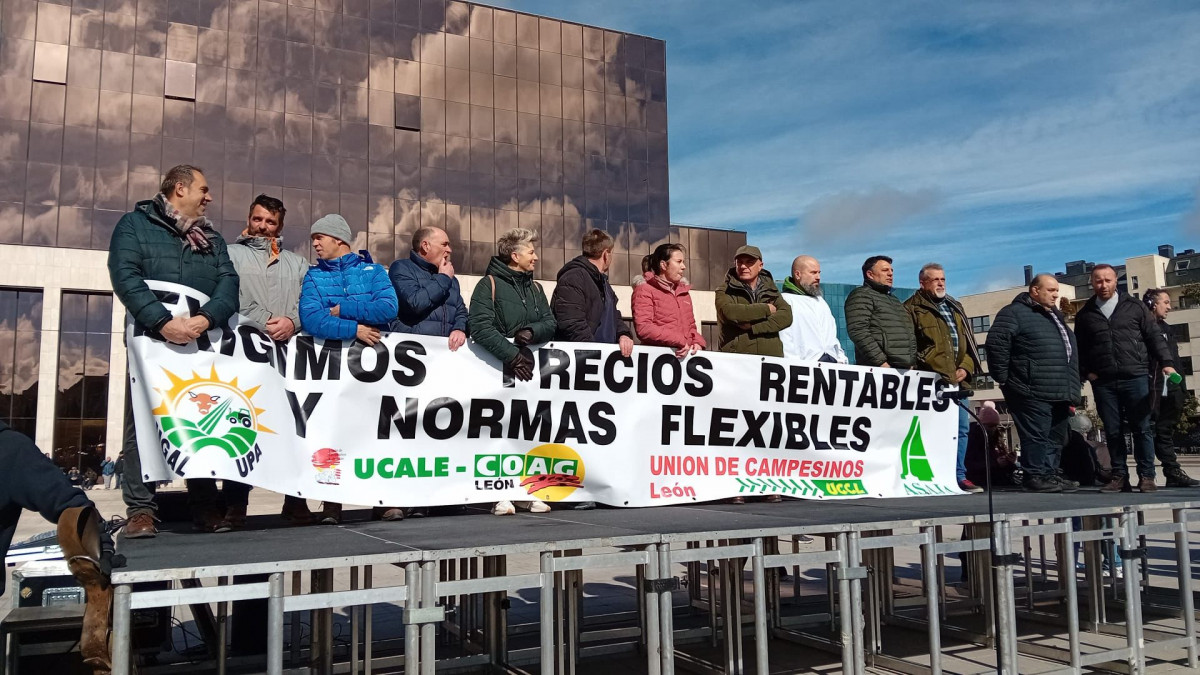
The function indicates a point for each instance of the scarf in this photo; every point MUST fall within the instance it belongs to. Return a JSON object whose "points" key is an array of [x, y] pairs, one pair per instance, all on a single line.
{"points": [[274, 241], [194, 230]]}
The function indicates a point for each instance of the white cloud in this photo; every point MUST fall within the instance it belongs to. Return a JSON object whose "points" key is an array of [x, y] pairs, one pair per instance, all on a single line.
{"points": [[858, 214]]}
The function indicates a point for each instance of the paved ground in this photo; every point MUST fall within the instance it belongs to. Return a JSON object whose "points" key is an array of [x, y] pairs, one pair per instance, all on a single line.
{"points": [[606, 593]]}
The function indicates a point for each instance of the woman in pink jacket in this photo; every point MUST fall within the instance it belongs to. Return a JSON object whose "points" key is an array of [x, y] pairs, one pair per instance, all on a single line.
{"points": [[662, 307]]}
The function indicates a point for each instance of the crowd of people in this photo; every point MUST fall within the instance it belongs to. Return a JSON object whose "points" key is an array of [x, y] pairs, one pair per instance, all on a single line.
{"points": [[346, 296]]}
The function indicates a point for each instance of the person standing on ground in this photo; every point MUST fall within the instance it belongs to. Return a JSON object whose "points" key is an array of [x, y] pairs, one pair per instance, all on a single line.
{"points": [[946, 346], [1034, 359], [1170, 398], [1118, 340], [168, 238], [877, 322], [269, 296], [108, 469]]}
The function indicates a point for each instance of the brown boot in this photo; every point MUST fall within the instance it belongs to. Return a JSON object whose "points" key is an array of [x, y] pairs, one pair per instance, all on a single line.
{"points": [[79, 531], [1147, 485], [1116, 484], [208, 520], [235, 516], [331, 513], [295, 511], [140, 526]]}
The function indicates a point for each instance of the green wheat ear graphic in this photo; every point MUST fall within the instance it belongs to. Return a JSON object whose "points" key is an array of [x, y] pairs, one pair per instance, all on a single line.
{"points": [[913, 461]]}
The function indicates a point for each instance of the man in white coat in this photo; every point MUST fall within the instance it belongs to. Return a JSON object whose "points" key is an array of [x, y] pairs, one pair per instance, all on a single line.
{"points": [[813, 333]]}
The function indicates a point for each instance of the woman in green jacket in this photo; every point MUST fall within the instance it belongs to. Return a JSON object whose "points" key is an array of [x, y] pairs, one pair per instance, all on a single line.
{"points": [[508, 304]]}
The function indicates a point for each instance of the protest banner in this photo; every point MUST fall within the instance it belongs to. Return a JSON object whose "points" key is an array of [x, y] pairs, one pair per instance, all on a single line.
{"points": [[407, 422]]}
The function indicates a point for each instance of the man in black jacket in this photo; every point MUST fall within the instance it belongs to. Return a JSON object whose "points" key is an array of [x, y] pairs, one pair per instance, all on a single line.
{"points": [[1170, 397], [1035, 360], [584, 303], [1117, 342]]}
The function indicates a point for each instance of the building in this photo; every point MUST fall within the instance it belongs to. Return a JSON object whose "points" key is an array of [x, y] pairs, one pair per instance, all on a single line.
{"points": [[1164, 269], [395, 114]]}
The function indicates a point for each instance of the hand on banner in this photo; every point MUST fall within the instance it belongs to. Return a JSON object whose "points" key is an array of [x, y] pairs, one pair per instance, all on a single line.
{"points": [[457, 339], [884, 365], [280, 328], [336, 310], [522, 366], [626, 345], [959, 375], [523, 337], [686, 350], [176, 331], [197, 325], [367, 334]]}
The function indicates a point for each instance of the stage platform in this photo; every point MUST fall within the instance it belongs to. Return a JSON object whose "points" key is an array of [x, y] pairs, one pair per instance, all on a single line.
{"points": [[1018, 575]]}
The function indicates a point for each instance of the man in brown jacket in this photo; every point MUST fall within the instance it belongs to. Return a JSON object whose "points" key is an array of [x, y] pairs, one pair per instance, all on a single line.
{"points": [[750, 310], [946, 346]]}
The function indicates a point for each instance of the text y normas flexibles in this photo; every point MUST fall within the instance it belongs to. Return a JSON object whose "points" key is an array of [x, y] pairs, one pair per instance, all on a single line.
{"points": [[407, 422]]}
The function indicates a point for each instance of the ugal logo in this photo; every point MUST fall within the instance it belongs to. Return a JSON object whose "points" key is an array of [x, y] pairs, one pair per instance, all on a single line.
{"points": [[204, 414]]}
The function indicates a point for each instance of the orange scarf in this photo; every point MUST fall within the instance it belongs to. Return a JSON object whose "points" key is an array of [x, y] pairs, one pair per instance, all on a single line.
{"points": [[274, 245]]}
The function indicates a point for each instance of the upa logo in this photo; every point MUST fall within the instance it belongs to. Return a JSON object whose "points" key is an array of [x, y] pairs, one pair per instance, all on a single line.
{"points": [[552, 472], [201, 413]]}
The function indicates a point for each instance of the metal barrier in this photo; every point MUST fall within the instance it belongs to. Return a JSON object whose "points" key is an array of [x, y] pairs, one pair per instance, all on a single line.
{"points": [[461, 594]]}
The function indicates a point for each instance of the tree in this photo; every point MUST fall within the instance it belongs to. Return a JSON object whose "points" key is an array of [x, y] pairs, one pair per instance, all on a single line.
{"points": [[1191, 293], [1186, 418]]}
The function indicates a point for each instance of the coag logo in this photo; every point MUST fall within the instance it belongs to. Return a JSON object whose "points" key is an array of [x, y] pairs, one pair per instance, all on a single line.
{"points": [[205, 412], [552, 472], [914, 463]]}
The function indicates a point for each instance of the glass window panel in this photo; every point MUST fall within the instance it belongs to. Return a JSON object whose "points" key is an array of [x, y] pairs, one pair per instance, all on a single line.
{"points": [[481, 22], [593, 43], [482, 52], [572, 39], [481, 89], [458, 85], [504, 26], [504, 92], [50, 63], [458, 52], [504, 59]]}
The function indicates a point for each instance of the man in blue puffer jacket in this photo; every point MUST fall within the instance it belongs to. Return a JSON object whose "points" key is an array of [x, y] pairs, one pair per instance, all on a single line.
{"points": [[430, 300], [343, 297]]}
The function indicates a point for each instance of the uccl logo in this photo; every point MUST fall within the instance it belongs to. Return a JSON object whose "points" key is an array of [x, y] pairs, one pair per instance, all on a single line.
{"points": [[200, 413], [552, 472]]}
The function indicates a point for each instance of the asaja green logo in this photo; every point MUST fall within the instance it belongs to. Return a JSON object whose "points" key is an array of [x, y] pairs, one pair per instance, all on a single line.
{"points": [[914, 463], [205, 412]]}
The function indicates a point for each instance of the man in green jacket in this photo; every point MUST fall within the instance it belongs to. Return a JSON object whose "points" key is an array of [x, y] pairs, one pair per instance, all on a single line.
{"points": [[946, 346], [167, 238], [877, 322], [750, 310]]}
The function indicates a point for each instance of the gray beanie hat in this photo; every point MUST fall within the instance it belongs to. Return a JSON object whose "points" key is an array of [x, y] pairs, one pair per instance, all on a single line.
{"points": [[334, 226]]}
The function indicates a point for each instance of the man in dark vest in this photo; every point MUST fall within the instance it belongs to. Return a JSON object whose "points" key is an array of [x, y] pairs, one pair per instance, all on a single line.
{"points": [[876, 320]]}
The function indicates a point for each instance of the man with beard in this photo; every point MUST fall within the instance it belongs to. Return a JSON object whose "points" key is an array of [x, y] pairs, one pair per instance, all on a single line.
{"points": [[813, 333], [269, 296], [946, 346]]}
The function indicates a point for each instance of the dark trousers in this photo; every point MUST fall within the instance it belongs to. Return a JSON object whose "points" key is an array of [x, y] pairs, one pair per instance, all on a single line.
{"points": [[1170, 407], [1126, 400], [139, 494], [1042, 428]]}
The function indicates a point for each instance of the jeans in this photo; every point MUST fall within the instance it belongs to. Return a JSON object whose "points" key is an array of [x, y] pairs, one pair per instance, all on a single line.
{"points": [[1042, 428], [108, 481], [964, 434], [1126, 400], [137, 494], [1170, 407]]}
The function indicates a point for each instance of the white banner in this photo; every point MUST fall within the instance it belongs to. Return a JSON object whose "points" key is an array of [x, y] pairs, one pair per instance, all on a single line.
{"points": [[410, 423]]}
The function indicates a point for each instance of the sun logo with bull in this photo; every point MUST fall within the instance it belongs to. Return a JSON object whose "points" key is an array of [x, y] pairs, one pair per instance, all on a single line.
{"points": [[200, 412]]}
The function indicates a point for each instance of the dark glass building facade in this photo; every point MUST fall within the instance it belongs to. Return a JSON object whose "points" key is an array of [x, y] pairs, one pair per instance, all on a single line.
{"points": [[394, 113]]}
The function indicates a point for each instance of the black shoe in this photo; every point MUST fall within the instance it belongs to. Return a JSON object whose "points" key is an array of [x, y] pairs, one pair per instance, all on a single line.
{"points": [[1179, 478], [1045, 484], [1067, 484]]}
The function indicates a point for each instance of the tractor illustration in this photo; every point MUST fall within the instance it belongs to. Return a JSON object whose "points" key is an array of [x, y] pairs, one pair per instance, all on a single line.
{"points": [[242, 417]]}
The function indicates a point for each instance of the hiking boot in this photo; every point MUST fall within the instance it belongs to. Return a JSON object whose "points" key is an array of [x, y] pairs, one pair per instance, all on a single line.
{"points": [[140, 526], [388, 514], [1117, 484], [235, 517], [1179, 478], [331, 513], [1043, 484], [1067, 484], [967, 486], [1147, 485], [295, 511]]}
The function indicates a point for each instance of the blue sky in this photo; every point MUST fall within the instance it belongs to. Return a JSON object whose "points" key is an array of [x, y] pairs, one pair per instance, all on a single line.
{"points": [[983, 135]]}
